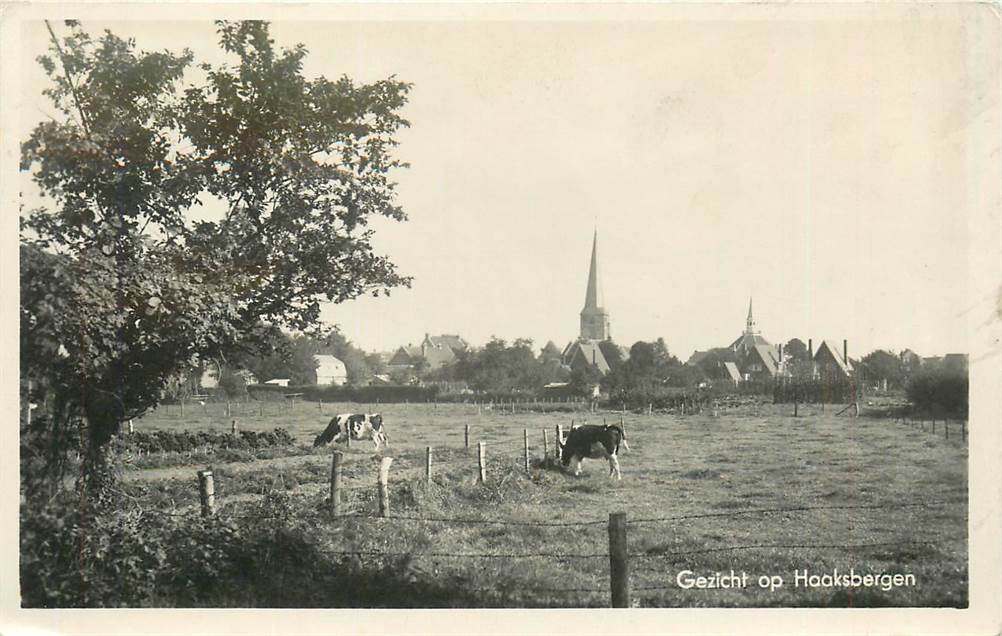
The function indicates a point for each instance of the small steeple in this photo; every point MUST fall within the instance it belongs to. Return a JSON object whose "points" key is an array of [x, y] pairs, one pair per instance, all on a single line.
{"points": [[750, 324]]}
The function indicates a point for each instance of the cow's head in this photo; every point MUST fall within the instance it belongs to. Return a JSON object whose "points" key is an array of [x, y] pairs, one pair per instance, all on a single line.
{"points": [[564, 452], [376, 420]]}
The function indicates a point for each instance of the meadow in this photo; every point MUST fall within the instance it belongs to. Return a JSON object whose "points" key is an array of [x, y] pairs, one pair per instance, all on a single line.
{"points": [[751, 490]]}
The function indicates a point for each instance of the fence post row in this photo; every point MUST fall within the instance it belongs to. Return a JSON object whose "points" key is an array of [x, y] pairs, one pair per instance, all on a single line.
{"points": [[482, 461], [336, 483], [384, 489], [206, 493], [619, 565]]}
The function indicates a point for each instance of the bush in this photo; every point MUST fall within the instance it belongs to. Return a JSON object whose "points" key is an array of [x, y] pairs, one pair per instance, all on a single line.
{"points": [[940, 390]]}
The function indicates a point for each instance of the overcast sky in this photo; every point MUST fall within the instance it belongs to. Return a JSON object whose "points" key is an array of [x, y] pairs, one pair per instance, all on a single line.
{"points": [[817, 166]]}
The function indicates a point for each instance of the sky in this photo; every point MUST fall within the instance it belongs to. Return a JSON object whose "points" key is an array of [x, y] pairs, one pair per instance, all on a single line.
{"points": [[817, 166]]}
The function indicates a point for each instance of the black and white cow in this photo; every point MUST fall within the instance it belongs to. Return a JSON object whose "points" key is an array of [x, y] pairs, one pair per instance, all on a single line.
{"points": [[357, 425], [593, 442]]}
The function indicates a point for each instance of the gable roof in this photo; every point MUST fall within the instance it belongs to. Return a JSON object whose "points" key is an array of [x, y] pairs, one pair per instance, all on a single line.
{"points": [[835, 353], [697, 357], [588, 351], [749, 340], [732, 371], [769, 356], [451, 341]]}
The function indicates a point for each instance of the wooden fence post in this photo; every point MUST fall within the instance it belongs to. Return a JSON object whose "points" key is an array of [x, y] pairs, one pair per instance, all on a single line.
{"points": [[427, 466], [320, 406], [233, 427], [560, 439], [619, 565], [260, 409], [466, 437], [525, 435], [228, 412], [336, 483], [206, 493], [946, 428], [482, 461], [545, 450], [963, 430], [131, 429], [384, 489]]}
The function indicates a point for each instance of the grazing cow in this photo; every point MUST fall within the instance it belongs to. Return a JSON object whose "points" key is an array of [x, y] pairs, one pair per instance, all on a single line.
{"points": [[356, 425], [593, 442]]}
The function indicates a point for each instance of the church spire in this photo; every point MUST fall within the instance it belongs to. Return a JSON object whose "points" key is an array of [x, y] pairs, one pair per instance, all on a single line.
{"points": [[750, 324], [594, 318], [593, 295]]}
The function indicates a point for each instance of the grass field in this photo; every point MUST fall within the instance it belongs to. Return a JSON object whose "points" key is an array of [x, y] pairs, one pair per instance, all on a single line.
{"points": [[861, 479]]}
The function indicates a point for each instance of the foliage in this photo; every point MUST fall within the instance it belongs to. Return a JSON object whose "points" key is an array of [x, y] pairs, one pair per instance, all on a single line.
{"points": [[504, 368], [120, 290], [585, 379], [796, 351], [187, 441], [939, 389], [883, 366], [650, 365]]}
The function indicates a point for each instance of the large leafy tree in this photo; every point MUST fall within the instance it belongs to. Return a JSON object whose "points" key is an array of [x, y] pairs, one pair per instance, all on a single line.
{"points": [[121, 289], [884, 367]]}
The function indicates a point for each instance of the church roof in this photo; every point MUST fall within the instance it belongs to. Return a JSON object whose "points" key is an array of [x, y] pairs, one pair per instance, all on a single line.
{"points": [[589, 351], [749, 341]]}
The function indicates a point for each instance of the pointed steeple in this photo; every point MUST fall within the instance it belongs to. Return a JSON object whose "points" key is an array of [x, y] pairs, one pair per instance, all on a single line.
{"points": [[750, 324], [594, 318], [593, 295]]}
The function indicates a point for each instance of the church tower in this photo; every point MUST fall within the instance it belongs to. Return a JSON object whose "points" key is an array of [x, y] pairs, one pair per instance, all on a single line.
{"points": [[594, 317], [750, 323]]}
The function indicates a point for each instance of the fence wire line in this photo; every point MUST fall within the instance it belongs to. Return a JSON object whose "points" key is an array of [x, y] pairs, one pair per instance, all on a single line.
{"points": [[797, 509], [507, 522], [787, 546], [470, 555]]}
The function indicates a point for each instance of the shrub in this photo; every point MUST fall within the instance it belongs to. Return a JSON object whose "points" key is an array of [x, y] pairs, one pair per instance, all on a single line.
{"points": [[941, 390]]}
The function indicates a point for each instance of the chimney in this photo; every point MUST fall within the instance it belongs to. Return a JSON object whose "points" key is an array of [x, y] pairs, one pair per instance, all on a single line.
{"points": [[810, 349], [845, 351]]}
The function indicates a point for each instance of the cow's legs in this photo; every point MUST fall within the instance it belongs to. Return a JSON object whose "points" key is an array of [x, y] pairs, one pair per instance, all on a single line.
{"points": [[614, 467], [577, 465]]}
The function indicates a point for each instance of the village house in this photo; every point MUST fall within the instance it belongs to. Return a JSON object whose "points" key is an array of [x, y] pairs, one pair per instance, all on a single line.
{"points": [[437, 351]]}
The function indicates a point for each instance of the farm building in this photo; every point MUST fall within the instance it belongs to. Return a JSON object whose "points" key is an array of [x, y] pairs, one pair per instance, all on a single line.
{"points": [[438, 351], [330, 370], [832, 361]]}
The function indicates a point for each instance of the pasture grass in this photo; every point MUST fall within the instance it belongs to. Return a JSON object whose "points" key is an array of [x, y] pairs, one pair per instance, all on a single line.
{"points": [[759, 458]]}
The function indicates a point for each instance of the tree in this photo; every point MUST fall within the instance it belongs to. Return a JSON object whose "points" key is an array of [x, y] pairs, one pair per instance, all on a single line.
{"points": [[585, 379], [121, 290], [883, 366], [796, 351]]}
